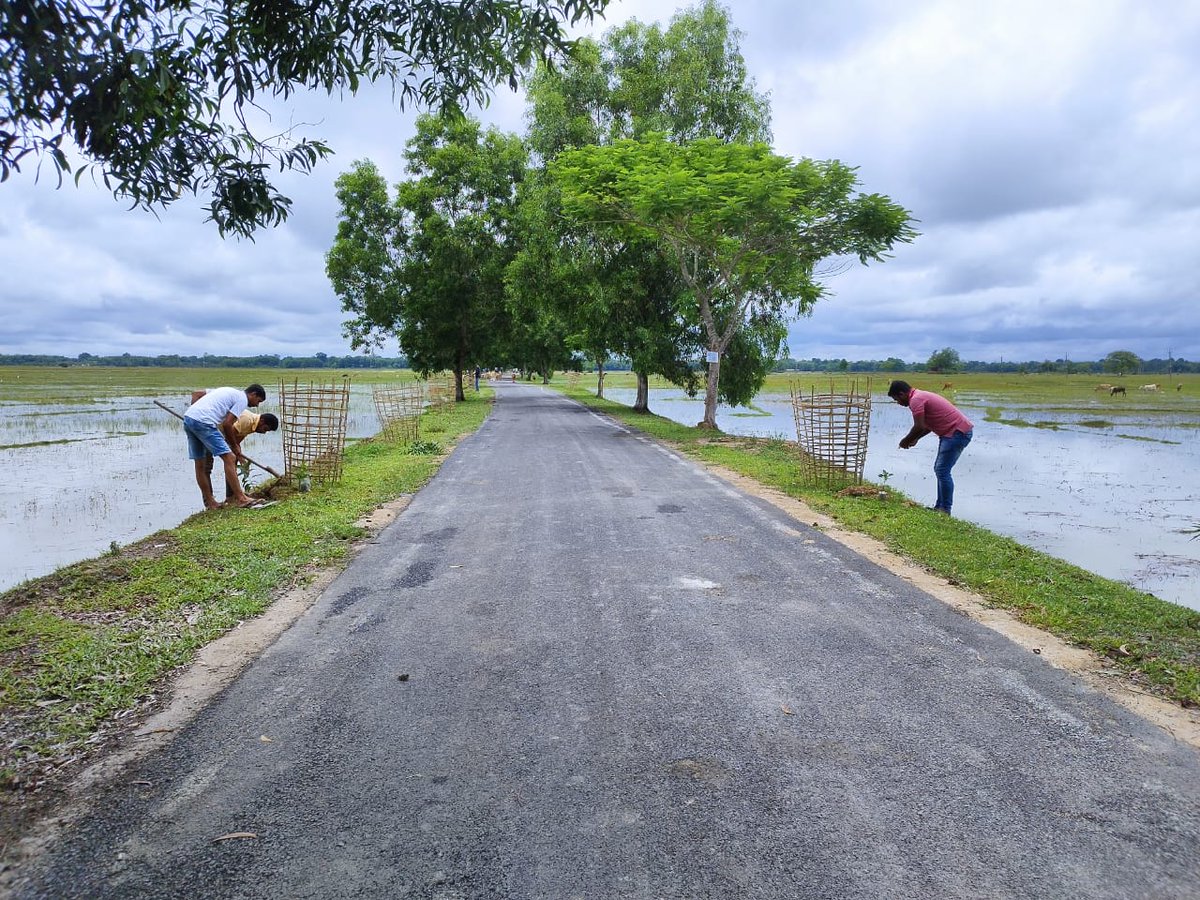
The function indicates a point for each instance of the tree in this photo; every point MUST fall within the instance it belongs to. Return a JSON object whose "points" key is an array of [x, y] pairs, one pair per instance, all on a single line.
{"points": [[1122, 362], [155, 93], [944, 361], [687, 81], [363, 263], [747, 228], [431, 269], [551, 277]]}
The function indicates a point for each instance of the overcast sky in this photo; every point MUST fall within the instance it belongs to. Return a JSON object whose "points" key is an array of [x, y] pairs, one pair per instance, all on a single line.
{"points": [[1049, 148]]}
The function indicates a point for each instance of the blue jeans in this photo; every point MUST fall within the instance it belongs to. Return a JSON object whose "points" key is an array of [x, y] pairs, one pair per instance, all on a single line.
{"points": [[204, 438], [949, 450]]}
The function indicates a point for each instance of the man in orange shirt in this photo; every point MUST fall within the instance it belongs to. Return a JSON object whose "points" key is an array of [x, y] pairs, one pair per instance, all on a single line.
{"points": [[247, 423], [933, 413]]}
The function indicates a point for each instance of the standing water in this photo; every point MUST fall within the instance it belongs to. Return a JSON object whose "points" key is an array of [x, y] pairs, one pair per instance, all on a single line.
{"points": [[86, 475]]}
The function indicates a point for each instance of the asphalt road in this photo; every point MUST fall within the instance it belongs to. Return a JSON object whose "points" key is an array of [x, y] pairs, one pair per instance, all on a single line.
{"points": [[579, 666]]}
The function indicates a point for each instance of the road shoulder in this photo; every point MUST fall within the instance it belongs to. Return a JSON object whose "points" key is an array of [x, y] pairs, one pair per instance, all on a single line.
{"points": [[1088, 667]]}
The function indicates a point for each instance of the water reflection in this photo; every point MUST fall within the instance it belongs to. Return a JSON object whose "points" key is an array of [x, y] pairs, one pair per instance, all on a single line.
{"points": [[1113, 499]]}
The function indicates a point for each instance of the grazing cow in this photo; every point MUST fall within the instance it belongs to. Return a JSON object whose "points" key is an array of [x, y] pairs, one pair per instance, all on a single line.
{"points": [[1179, 387], [948, 386], [1117, 389], [1150, 387], [1103, 387]]}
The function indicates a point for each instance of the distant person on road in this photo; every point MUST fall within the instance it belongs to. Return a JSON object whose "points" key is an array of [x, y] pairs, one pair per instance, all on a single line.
{"points": [[208, 424], [247, 423], [934, 413], [478, 372]]}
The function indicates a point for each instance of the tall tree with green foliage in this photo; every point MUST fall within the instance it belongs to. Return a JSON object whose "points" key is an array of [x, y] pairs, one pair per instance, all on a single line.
{"points": [[687, 80], [155, 94], [748, 229], [945, 361], [1122, 362], [363, 264], [431, 270]]}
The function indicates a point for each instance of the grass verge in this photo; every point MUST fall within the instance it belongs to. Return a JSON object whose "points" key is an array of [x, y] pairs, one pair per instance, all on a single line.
{"points": [[1154, 642], [88, 646]]}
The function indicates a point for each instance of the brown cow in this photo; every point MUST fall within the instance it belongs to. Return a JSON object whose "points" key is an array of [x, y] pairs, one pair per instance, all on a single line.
{"points": [[948, 386]]}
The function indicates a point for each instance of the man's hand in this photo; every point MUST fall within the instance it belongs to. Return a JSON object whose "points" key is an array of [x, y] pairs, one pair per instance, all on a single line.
{"points": [[907, 443]]}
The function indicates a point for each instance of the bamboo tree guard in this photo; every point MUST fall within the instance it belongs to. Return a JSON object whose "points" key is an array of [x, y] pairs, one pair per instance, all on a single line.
{"points": [[440, 390], [399, 408], [573, 379], [831, 429], [313, 419]]}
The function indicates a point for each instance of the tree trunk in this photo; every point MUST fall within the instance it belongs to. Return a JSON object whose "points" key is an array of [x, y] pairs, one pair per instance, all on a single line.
{"points": [[710, 396], [460, 362], [642, 403], [600, 379]]}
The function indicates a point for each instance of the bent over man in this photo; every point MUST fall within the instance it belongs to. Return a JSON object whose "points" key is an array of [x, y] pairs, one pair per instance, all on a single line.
{"points": [[209, 425], [934, 413], [247, 423]]}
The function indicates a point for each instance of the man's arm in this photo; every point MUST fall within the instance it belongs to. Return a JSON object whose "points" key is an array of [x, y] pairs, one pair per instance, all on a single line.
{"points": [[917, 432], [196, 395], [231, 436]]}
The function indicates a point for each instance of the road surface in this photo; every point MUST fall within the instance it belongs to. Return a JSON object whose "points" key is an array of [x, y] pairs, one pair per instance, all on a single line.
{"points": [[580, 666]]}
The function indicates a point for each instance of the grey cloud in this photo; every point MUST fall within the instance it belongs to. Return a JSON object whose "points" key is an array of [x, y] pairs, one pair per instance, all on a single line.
{"points": [[1059, 196]]}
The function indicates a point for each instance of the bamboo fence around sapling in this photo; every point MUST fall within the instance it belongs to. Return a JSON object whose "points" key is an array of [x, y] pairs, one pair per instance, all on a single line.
{"points": [[313, 417], [831, 429]]}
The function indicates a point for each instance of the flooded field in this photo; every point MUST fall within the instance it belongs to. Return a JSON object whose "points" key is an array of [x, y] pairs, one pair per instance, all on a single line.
{"points": [[87, 471], [1109, 488]]}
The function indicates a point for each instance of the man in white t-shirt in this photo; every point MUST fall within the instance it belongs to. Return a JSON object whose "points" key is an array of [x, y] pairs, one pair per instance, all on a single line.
{"points": [[208, 423]]}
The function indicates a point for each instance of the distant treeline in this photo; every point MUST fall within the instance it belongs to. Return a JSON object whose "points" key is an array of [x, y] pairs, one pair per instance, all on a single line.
{"points": [[1066, 367], [813, 364], [265, 361]]}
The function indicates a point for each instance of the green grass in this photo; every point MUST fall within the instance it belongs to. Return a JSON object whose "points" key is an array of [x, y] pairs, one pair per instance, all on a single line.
{"points": [[1153, 641], [89, 643], [99, 384]]}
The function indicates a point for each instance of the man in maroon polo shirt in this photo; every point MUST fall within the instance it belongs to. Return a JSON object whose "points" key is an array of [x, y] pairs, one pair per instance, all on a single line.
{"points": [[933, 413]]}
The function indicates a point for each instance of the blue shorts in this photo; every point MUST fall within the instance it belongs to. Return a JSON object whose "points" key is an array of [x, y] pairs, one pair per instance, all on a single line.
{"points": [[204, 438]]}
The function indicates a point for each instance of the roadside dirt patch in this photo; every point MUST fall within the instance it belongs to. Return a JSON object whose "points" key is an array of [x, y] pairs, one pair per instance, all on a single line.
{"points": [[1091, 668]]}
